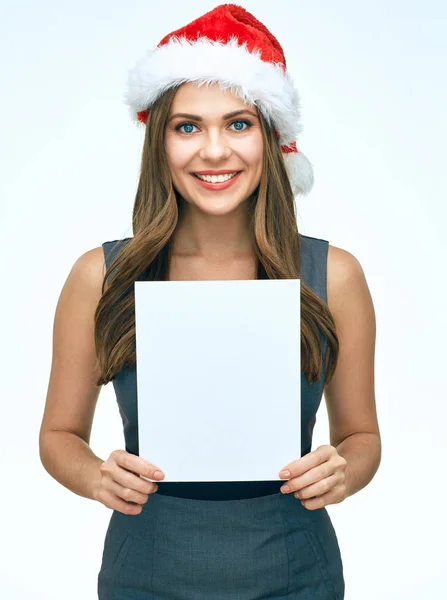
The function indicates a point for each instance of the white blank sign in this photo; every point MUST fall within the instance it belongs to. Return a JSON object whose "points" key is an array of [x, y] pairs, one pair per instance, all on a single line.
{"points": [[218, 377]]}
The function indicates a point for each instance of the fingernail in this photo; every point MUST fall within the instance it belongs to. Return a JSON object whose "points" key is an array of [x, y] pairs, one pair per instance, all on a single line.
{"points": [[284, 473], [159, 474]]}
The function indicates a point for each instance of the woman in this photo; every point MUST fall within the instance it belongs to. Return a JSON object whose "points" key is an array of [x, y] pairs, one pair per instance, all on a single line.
{"points": [[215, 97]]}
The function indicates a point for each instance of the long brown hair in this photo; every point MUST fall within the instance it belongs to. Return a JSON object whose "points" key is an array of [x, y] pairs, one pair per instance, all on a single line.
{"points": [[146, 255]]}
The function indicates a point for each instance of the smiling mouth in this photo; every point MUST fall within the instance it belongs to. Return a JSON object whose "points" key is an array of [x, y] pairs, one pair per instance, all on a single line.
{"points": [[217, 186], [221, 181]]}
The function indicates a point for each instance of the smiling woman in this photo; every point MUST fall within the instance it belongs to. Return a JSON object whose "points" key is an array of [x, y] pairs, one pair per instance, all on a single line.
{"points": [[220, 170]]}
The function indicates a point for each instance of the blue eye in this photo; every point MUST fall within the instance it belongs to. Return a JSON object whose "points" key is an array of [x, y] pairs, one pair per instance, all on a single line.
{"points": [[184, 125], [246, 123], [178, 128]]}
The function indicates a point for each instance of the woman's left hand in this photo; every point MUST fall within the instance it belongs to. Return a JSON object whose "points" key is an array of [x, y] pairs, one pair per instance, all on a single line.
{"points": [[317, 479]]}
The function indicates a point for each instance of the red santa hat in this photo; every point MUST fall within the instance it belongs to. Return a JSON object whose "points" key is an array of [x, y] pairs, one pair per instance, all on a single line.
{"points": [[229, 46]]}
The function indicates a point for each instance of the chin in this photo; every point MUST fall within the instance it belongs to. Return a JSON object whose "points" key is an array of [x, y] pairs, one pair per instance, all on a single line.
{"points": [[219, 206], [219, 209]]}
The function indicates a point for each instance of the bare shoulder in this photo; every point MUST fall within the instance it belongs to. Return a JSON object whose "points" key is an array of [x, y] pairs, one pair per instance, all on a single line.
{"points": [[345, 276], [83, 284], [89, 268]]}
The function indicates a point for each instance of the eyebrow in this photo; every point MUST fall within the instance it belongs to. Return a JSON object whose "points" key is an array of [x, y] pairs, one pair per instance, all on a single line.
{"points": [[224, 117]]}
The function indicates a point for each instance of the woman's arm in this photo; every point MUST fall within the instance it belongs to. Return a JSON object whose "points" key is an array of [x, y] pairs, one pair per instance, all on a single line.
{"points": [[72, 394], [69, 459], [350, 396]]}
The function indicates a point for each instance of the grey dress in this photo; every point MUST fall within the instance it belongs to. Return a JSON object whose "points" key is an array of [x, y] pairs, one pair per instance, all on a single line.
{"points": [[224, 540]]}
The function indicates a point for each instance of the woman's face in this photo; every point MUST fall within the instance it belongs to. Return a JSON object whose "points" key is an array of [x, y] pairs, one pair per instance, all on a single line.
{"points": [[213, 143]]}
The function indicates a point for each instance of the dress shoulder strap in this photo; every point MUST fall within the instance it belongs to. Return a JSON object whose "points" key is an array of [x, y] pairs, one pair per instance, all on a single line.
{"points": [[313, 264], [111, 249]]}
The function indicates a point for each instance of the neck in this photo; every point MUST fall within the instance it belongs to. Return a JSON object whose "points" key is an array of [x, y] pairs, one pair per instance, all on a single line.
{"points": [[213, 238]]}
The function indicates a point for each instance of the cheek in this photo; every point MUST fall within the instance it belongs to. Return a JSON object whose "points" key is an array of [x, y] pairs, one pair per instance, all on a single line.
{"points": [[178, 154], [252, 151]]}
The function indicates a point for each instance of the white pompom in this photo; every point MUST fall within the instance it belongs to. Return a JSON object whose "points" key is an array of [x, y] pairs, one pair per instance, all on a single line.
{"points": [[300, 171]]}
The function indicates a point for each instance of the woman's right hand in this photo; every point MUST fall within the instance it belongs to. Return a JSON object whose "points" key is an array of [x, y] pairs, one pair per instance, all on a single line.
{"points": [[121, 482]]}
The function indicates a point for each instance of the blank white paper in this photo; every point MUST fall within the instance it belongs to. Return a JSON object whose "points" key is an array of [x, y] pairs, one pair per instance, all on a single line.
{"points": [[219, 377]]}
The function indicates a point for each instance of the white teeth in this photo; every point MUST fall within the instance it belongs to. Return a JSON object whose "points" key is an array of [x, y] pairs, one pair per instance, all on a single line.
{"points": [[216, 178]]}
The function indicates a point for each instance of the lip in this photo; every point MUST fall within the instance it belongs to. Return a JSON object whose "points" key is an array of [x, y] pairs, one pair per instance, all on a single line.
{"points": [[227, 172], [217, 186]]}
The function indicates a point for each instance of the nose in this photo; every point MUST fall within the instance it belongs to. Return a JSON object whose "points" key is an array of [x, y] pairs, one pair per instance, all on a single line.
{"points": [[214, 148]]}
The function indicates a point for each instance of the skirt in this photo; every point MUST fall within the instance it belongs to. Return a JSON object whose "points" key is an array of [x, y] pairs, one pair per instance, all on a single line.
{"points": [[188, 549]]}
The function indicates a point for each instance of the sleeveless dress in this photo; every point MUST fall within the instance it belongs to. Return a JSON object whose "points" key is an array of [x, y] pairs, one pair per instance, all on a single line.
{"points": [[224, 540]]}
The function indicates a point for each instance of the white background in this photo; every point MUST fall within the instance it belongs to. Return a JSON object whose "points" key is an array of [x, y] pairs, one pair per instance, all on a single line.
{"points": [[371, 77]]}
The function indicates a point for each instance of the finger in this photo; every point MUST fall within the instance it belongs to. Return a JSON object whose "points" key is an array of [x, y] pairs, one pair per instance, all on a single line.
{"points": [[313, 476], [133, 481], [330, 497], [317, 489], [114, 502], [127, 494], [134, 463], [307, 462]]}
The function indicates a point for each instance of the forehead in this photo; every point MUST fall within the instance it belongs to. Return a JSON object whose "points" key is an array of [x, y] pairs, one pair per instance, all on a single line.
{"points": [[207, 99]]}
